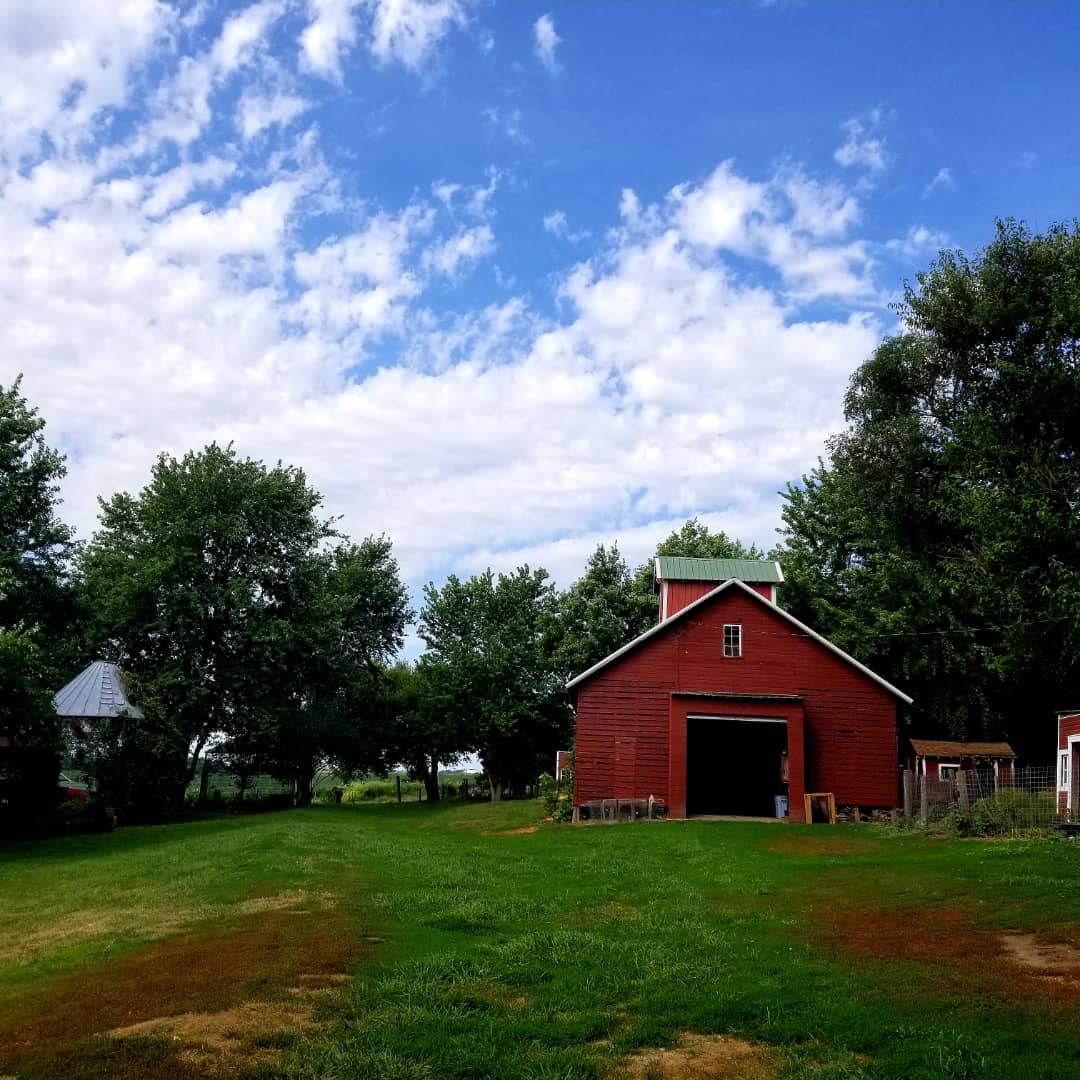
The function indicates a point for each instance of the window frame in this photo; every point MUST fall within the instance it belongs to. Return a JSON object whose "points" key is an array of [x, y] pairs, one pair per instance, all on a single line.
{"points": [[733, 651]]}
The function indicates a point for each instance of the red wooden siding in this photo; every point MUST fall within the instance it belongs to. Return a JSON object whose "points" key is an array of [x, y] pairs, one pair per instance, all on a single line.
{"points": [[849, 720], [682, 593], [1069, 725]]}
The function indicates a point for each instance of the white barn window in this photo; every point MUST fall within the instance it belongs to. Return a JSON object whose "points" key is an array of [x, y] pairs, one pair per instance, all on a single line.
{"points": [[1063, 770], [733, 639]]}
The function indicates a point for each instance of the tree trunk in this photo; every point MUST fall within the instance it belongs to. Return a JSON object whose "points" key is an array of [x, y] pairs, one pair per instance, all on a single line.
{"points": [[431, 780], [303, 789], [204, 781], [496, 789]]}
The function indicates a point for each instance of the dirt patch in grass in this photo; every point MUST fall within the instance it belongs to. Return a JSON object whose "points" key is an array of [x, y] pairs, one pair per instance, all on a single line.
{"points": [[953, 951], [226, 1042], [817, 842], [701, 1057], [255, 958], [80, 926], [524, 830], [1050, 960]]}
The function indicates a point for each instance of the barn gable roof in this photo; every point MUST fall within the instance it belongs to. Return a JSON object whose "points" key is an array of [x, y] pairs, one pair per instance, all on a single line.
{"points": [[734, 583], [678, 568], [98, 691]]}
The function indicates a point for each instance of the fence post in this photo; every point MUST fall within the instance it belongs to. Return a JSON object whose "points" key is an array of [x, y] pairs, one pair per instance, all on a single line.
{"points": [[924, 801], [399, 787], [963, 792], [909, 794]]}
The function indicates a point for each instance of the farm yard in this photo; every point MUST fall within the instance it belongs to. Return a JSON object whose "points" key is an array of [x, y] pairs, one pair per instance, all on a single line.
{"points": [[472, 940]]}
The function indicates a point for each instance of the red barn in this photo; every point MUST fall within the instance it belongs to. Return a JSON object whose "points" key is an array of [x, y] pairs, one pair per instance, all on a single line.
{"points": [[730, 701]]}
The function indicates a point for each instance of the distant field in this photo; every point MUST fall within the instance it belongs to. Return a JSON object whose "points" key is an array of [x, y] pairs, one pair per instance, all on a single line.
{"points": [[471, 941]]}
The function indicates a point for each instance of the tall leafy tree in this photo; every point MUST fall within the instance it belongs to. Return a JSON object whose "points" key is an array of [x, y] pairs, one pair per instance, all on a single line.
{"points": [[692, 540], [598, 613], [942, 541], [184, 582], [30, 735], [35, 611], [428, 728], [487, 634], [323, 700], [35, 545]]}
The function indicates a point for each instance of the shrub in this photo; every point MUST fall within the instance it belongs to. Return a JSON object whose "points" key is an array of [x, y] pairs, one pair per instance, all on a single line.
{"points": [[558, 804], [75, 815], [1010, 809]]}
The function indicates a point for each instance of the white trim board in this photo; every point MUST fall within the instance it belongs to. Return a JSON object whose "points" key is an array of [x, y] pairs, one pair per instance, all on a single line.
{"points": [[701, 600], [736, 719]]}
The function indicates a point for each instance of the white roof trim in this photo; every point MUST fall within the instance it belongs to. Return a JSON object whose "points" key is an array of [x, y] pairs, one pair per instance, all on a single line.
{"points": [[761, 599]]}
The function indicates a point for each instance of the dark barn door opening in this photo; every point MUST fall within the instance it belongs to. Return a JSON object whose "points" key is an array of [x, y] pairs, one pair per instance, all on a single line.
{"points": [[733, 766]]}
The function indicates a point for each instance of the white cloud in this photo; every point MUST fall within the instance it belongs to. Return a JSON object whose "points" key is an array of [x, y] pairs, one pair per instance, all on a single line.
{"points": [[1027, 160], [863, 146], [942, 181], [789, 221], [257, 111], [545, 41], [409, 31], [183, 104], [330, 33], [919, 240], [506, 122], [199, 295], [466, 247], [62, 63], [406, 32], [558, 225]]}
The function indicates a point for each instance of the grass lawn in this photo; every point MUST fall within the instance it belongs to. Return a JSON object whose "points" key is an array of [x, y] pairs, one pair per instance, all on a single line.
{"points": [[409, 942]]}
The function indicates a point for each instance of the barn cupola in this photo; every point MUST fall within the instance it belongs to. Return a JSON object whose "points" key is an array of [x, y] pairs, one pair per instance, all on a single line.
{"points": [[680, 581]]}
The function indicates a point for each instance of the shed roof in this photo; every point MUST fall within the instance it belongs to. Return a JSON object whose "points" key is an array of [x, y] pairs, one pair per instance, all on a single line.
{"points": [[735, 583], [678, 568], [98, 691], [948, 748]]}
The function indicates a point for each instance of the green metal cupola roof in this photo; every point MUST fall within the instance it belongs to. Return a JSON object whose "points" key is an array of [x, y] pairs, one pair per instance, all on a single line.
{"points": [[678, 568]]}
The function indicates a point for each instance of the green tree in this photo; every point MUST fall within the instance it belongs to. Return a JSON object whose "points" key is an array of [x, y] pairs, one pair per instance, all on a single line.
{"points": [[942, 542], [30, 736], [323, 700], [693, 540], [35, 546], [487, 634], [189, 583], [597, 614], [428, 729], [35, 612]]}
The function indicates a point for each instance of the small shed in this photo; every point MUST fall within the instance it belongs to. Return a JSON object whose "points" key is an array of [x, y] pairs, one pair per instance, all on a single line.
{"points": [[97, 693], [1068, 764], [943, 759]]}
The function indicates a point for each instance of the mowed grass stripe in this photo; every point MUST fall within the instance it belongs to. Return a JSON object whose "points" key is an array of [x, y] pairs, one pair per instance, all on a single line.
{"points": [[559, 952]]}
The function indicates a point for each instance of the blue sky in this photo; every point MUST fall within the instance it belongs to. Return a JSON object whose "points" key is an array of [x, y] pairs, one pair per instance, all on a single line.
{"points": [[506, 279]]}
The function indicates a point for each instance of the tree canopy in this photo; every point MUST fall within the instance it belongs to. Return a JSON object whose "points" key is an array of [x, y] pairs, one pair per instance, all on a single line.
{"points": [[35, 611], [941, 544], [486, 635]]}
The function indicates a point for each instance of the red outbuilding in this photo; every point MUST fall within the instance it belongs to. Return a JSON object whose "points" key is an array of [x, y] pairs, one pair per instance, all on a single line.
{"points": [[729, 701], [1068, 767]]}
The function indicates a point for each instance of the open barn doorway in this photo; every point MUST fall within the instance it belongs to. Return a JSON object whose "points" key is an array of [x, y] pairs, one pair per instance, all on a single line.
{"points": [[734, 765]]}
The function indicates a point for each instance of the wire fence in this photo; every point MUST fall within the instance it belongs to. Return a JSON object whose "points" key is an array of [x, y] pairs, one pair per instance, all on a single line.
{"points": [[1011, 803]]}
